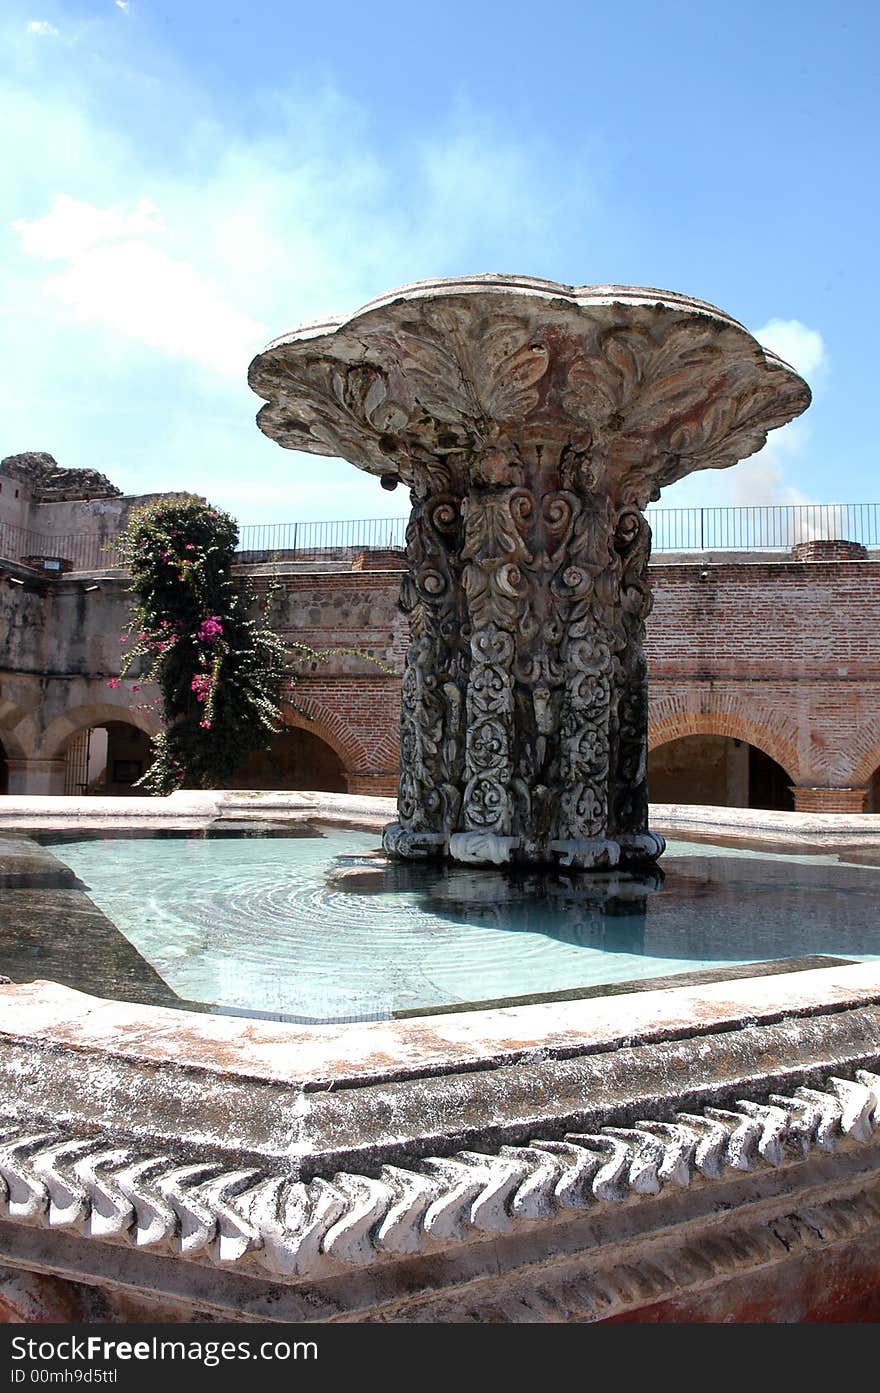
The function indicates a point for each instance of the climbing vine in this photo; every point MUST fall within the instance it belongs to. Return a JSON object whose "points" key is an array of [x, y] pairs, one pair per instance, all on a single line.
{"points": [[220, 671]]}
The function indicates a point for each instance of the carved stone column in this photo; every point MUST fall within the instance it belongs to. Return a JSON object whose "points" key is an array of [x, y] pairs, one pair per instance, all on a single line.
{"points": [[432, 696], [532, 423]]}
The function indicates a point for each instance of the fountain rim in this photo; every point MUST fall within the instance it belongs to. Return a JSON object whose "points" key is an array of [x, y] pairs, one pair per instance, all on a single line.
{"points": [[577, 297]]}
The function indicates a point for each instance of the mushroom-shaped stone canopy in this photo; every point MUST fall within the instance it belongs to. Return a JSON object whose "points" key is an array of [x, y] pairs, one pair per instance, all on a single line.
{"points": [[532, 422], [649, 383]]}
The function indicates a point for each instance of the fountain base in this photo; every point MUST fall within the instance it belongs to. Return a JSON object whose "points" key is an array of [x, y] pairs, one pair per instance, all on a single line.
{"points": [[477, 848]]}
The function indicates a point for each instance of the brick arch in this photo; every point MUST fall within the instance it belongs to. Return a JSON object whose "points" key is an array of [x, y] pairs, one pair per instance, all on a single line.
{"points": [[869, 761], [679, 724], [387, 752], [311, 716], [99, 713], [17, 731]]}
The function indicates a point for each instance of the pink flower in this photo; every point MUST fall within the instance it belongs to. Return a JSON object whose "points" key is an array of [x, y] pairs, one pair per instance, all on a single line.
{"points": [[206, 725], [135, 687], [123, 638], [114, 682], [189, 547], [210, 629], [201, 685]]}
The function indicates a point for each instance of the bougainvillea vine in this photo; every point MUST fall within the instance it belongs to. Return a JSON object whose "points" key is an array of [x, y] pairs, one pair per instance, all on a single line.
{"points": [[220, 670]]}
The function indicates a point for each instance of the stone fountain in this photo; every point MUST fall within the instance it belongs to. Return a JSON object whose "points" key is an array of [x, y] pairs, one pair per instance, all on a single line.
{"points": [[532, 423], [703, 1151]]}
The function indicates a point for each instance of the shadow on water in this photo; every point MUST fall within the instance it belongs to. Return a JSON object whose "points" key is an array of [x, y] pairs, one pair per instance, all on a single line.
{"points": [[600, 910], [721, 908]]}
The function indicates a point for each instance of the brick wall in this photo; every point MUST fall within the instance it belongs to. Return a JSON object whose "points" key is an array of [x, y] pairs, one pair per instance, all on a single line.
{"points": [[350, 699], [783, 655]]}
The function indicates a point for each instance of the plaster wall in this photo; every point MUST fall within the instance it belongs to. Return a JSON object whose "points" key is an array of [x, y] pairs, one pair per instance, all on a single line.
{"points": [[15, 501], [98, 517]]}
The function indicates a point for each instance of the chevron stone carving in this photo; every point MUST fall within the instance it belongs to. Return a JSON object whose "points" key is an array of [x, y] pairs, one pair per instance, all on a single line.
{"points": [[102, 1189]]}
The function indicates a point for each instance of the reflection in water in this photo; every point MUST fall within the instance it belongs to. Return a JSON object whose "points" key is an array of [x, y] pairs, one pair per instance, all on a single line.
{"points": [[319, 927], [603, 910], [724, 905]]}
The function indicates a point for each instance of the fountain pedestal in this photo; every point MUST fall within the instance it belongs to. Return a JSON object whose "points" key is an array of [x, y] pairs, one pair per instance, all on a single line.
{"points": [[532, 423]]}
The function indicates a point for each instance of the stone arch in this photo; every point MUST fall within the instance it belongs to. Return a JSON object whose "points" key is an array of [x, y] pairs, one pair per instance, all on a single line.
{"points": [[678, 724], [17, 731], [99, 713], [311, 716]]}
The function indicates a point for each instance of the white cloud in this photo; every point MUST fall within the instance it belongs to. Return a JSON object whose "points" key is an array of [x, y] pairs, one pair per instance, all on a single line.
{"points": [[156, 235], [122, 5], [803, 348], [72, 227], [41, 26], [761, 480], [117, 276]]}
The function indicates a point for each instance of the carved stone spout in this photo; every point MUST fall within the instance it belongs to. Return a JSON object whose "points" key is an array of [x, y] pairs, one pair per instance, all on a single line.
{"points": [[532, 423]]}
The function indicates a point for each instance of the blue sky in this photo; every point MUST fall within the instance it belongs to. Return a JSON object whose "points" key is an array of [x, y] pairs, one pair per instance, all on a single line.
{"points": [[183, 181]]}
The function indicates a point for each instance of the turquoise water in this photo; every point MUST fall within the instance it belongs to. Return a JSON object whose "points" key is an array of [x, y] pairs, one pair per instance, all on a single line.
{"points": [[264, 924]]}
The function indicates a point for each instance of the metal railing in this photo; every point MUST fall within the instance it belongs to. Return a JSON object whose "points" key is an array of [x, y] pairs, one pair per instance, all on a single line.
{"points": [[77, 551], [322, 540], [770, 527], [774, 527]]}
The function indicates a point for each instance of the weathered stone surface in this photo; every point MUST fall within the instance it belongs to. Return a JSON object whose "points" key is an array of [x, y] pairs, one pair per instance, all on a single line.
{"points": [[532, 423], [51, 928], [51, 483], [731, 1129]]}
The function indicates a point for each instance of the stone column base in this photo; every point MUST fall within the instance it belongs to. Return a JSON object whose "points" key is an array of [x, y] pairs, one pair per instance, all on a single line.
{"points": [[486, 849], [829, 800]]}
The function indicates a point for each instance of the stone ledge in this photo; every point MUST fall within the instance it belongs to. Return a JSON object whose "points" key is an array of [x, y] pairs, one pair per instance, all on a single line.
{"points": [[682, 1164], [818, 829], [192, 807]]}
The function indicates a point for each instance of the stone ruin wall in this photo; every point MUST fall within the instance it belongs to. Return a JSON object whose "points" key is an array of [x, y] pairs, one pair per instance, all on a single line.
{"points": [[48, 482], [41, 497]]}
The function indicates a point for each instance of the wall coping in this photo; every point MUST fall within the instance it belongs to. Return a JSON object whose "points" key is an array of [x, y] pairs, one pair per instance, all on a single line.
{"points": [[191, 807]]}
